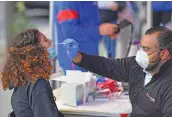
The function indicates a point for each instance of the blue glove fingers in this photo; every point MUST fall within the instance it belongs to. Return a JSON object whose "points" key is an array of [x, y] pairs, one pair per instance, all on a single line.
{"points": [[72, 53], [67, 41], [72, 47]]}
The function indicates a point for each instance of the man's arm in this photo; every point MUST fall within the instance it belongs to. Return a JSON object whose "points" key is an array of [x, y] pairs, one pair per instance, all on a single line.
{"points": [[117, 69]]}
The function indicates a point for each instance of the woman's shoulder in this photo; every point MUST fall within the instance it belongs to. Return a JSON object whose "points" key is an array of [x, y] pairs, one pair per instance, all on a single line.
{"points": [[40, 85], [41, 81]]}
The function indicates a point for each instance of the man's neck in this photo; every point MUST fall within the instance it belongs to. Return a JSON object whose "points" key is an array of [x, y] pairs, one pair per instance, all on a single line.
{"points": [[156, 70]]}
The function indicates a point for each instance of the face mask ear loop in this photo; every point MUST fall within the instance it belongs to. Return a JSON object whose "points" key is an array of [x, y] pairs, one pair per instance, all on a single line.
{"points": [[166, 46]]}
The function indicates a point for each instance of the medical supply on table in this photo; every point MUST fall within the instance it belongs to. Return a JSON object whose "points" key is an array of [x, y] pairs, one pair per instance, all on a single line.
{"points": [[107, 83], [106, 88], [83, 87], [77, 88], [72, 94]]}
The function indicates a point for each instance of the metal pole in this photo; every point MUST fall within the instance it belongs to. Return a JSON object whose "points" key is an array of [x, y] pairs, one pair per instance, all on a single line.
{"points": [[7, 9], [51, 18], [51, 36], [149, 14], [52, 28]]}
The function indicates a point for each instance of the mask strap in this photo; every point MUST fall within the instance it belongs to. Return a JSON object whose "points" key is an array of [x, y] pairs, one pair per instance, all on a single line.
{"points": [[166, 46]]}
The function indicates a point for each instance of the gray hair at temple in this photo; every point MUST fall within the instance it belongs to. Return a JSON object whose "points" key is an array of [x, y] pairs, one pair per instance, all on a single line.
{"points": [[164, 37]]}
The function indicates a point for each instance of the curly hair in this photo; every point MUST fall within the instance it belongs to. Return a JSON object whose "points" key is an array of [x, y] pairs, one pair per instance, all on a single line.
{"points": [[27, 62]]}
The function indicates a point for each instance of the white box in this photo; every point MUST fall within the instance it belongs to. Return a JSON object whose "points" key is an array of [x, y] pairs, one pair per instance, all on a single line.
{"points": [[71, 94], [74, 84]]}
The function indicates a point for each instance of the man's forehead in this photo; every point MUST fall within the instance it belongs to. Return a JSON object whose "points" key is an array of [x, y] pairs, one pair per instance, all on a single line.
{"points": [[150, 40]]}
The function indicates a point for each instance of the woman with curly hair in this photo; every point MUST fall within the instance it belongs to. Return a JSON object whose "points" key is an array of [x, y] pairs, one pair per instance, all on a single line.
{"points": [[27, 71]]}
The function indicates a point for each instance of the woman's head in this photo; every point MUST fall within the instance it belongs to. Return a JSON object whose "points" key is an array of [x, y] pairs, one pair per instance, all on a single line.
{"points": [[28, 59], [43, 41], [31, 37]]}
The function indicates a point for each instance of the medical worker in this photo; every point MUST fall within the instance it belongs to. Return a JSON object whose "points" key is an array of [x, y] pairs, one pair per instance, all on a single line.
{"points": [[79, 20], [148, 73]]}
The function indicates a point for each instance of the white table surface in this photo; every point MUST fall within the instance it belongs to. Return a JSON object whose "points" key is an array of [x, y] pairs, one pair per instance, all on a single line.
{"points": [[113, 107]]}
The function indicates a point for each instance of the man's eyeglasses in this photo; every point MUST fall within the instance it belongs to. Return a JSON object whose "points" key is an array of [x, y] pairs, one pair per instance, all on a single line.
{"points": [[146, 49]]}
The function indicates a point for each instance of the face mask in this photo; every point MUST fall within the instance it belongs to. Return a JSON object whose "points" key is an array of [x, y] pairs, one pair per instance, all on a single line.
{"points": [[142, 59], [52, 53]]}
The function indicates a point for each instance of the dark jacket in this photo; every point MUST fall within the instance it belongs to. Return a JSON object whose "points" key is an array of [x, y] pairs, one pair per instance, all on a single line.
{"points": [[152, 100], [34, 100]]}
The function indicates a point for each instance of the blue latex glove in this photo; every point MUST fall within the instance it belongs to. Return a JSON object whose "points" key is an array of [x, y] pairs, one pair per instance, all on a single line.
{"points": [[52, 53], [100, 79], [72, 47]]}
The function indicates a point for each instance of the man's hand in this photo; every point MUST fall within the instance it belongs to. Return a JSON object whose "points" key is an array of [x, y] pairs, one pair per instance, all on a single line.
{"points": [[108, 29], [113, 37], [72, 47]]}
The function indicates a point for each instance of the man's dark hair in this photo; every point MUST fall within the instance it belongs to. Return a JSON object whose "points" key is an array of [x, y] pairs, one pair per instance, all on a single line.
{"points": [[164, 36]]}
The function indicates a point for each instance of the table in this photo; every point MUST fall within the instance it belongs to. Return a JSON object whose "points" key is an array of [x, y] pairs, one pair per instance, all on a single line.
{"points": [[112, 108]]}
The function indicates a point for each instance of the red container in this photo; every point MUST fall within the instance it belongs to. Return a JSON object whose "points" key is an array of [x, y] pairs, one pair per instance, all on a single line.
{"points": [[112, 85], [124, 114]]}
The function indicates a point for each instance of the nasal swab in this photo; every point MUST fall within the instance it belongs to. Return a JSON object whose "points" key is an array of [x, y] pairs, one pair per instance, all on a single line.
{"points": [[60, 43], [63, 42]]}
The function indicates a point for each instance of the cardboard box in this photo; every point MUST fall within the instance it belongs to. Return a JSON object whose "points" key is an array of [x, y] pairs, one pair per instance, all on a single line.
{"points": [[75, 84], [72, 94]]}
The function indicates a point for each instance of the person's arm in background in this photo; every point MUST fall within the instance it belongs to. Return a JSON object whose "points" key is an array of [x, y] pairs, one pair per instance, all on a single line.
{"points": [[68, 19], [112, 5], [117, 5]]}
